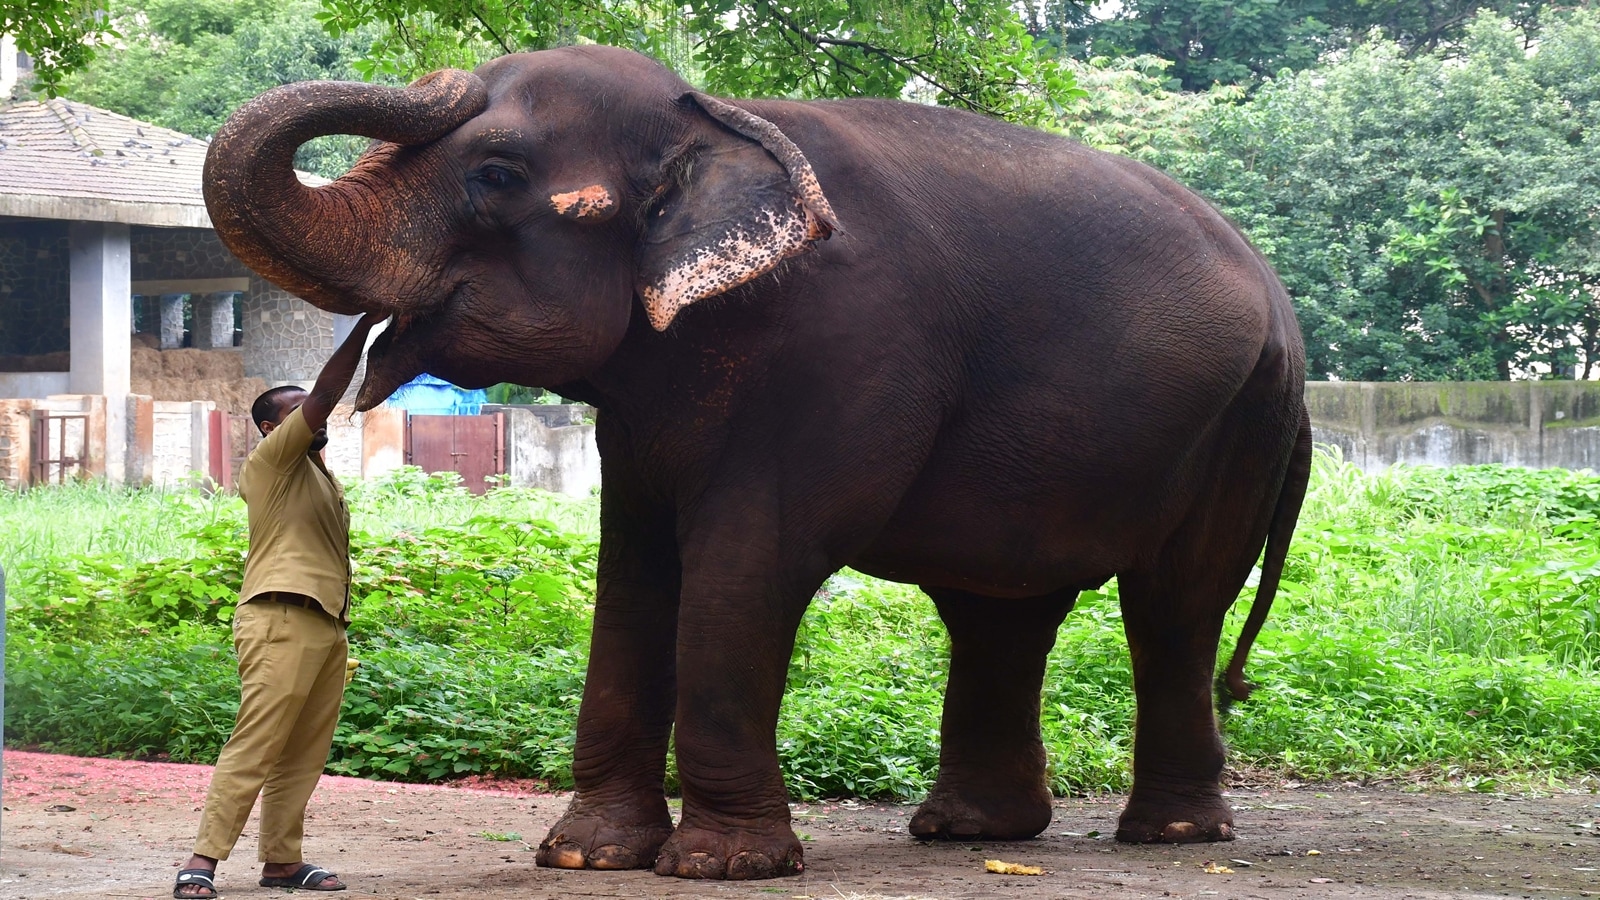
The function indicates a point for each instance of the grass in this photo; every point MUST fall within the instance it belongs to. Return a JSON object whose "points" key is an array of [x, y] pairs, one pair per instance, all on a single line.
{"points": [[1441, 622]]}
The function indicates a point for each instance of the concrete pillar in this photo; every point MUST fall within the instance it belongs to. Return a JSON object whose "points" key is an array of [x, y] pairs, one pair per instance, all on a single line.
{"points": [[102, 319], [140, 468], [213, 321], [171, 321], [383, 441], [200, 438]]}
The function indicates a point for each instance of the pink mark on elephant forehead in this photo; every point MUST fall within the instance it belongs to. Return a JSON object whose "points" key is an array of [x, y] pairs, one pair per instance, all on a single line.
{"points": [[583, 202]]}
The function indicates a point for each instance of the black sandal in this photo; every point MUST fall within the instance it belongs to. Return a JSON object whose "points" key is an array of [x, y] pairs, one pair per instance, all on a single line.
{"points": [[306, 878], [204, 878]]}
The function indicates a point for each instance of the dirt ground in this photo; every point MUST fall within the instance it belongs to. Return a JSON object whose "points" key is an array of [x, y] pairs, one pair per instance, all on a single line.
{"points": [[101, 828]]}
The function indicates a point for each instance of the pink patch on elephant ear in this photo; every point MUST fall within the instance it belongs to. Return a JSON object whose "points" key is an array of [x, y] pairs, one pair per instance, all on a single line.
{"points": [[753, 202], [750, 247], [591, 204]]}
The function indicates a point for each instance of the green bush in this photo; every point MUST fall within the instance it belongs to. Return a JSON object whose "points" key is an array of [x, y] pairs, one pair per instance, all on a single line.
{"points": [[1433, 621]]}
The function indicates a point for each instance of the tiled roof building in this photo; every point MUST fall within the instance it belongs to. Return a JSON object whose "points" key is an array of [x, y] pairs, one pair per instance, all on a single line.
{"points": [[70, 161], [105, 243]]}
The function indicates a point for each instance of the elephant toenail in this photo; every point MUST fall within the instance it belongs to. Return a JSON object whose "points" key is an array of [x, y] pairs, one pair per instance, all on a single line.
{"points": [[1224, 832], [563, 855], [700, 864], [750, 864], [1180, 833], [613, 856]]}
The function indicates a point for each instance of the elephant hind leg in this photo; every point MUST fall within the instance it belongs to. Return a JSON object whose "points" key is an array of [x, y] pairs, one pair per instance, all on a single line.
{"points": [[991, 783], [1173, 610]]}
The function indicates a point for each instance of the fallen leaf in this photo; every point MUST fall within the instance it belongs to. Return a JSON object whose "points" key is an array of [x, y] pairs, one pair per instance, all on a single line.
{"points": [[1322, 881], [1005, 868], [61, 807], [1313, 852]]}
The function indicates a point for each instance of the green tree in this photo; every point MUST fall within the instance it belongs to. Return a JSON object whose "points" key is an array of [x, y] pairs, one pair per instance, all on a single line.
{"points": [[60, 35], [976, 54], [187, 65], [1235, 41], [1436, 216]]}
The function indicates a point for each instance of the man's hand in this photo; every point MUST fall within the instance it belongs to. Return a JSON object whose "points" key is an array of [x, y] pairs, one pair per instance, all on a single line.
{"points": [[336, 375]]}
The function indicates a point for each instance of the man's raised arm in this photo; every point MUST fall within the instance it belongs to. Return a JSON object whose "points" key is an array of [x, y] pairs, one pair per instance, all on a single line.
{"points": [[336, 374]]}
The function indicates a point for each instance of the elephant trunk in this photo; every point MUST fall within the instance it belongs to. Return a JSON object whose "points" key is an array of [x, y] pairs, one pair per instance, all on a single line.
{"points": [[343, 246]]}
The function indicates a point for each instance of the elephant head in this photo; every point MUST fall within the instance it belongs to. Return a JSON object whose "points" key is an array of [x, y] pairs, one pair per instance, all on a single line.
{"points": [[507, 219]]}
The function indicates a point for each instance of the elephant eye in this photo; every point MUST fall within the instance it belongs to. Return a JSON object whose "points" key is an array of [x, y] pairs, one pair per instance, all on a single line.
{"points": [[495, 176]]}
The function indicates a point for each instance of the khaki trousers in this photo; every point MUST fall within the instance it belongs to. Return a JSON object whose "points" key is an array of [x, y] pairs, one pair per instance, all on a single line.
{"points": [[291, 674]]}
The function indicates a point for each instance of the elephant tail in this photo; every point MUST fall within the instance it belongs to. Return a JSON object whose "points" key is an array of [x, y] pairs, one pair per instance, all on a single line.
{"points": [[1231, 685]]}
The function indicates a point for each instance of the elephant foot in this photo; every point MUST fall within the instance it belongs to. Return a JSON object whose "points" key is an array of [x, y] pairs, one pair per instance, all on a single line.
{"points": [[995, 815], [587, 840], [736, 855], [1175, 822]]}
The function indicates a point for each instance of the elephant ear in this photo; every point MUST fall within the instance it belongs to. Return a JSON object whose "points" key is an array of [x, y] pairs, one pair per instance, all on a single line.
{"points": [[738, 203]]}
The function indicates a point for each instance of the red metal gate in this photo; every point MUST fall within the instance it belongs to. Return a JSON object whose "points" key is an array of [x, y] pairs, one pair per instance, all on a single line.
{"points": [[59, 448], [473, 446]]}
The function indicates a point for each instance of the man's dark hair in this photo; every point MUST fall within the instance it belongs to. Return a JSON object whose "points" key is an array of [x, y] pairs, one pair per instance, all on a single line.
{"points": [[265, 409]]}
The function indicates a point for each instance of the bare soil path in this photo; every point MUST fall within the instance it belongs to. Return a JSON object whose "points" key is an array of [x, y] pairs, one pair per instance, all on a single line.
{"points": [[116, 829]]}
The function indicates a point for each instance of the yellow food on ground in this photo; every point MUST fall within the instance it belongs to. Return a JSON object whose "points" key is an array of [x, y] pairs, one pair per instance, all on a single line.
{"points": [[1214, 869], [1005, 868]]}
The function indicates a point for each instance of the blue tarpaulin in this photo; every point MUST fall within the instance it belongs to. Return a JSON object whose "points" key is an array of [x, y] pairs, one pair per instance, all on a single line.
{"points": [[426, 395]]}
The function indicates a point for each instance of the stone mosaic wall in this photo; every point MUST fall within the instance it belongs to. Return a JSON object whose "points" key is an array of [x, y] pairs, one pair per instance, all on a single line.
{"points": [[34, 299], [286, 340], [181, 253]]}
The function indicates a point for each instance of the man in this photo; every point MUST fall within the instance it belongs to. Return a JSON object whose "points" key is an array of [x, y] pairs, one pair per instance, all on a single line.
{"points": [[289, 634]]}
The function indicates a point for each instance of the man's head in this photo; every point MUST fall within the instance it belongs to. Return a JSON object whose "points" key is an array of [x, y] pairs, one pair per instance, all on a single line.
{"points": [[275, 405]]}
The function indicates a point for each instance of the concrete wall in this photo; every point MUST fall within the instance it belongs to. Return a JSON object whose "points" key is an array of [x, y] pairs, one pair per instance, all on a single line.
{"points": [[343, 455], [545, 450], [1539, 424], [180, 441]]}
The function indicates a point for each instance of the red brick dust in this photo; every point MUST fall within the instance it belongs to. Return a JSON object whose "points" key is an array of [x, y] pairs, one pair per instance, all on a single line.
{"points": [[118, 829]]}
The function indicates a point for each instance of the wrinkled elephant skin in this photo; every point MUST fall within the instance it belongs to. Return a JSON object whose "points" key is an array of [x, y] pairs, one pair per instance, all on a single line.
{"points": [[935, 347]]}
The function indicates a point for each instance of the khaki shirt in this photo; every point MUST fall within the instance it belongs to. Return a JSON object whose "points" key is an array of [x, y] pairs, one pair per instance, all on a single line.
{"points": [[299, 526]]}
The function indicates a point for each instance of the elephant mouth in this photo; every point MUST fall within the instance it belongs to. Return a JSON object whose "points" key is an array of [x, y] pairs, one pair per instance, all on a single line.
{"points": [[392, 360]]}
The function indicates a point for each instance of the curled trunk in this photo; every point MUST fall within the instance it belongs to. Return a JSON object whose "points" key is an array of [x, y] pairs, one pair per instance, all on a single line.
{"points": [[345, 246]]}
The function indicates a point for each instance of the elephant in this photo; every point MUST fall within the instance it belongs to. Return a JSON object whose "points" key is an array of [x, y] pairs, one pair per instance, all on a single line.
{"points": [[934, 347]]}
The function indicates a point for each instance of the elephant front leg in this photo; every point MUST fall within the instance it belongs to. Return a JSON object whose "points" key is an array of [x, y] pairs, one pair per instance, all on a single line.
{"points": [[991, 760], [618, 818], [735, 639], [1177, 751]]}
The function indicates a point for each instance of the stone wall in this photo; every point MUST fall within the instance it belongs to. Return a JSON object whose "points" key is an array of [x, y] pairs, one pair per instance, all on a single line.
{"points": [[286, 340], [181, 253], [1539, 424], [34, 275]]}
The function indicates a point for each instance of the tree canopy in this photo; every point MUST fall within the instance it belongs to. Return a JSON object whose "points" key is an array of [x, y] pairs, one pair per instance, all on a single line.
{"points": [[1424, 175], [187, 64], [60, 35], [970, 53], [1236, 41], [1435, 215]]}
